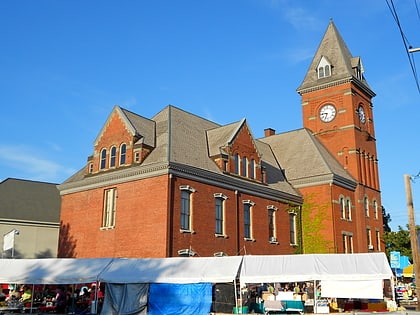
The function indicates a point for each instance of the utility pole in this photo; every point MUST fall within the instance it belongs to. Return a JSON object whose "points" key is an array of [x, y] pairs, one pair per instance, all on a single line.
{"points": [[413, 234]]}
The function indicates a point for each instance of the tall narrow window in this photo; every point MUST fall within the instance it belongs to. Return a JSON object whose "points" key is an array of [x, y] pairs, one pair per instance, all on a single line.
{"points": [[220, 213], [237, 164], [244, 166], [252, 169], [369, 239], [248, 219], [292, 223], [348, 209], [186, 209], [272, 235], [103, 159], [378, 240], [112, 157], [345, 246], [342, 208], [123, 153], [366, 205], [110, 206], [375, 209]]}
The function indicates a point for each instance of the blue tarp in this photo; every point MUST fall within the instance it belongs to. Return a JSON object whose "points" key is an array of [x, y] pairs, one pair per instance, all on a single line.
{"points": [[175, 299]]}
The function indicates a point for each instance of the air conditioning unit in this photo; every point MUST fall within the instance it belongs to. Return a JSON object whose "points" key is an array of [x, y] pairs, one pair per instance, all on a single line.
{"points": [[370, 247], [273, 239]]}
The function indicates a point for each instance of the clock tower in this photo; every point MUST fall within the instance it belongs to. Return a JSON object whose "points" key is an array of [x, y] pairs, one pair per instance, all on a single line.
{"points": [[337, 109]]}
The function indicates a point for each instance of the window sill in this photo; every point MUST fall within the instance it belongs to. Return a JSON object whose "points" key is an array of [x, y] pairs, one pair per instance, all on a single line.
{"points": [[248, 239], [187, 231], [274, 242], [104, 228], [221, 235]]}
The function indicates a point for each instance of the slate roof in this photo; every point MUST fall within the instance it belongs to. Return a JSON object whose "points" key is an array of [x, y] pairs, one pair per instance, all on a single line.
{"points": [[336, 51], [183, 142], [306, 161], [29, 201]]}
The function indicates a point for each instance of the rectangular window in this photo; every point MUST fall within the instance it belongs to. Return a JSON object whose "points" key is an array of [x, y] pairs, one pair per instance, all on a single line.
{"points": [[345, 248], [219, 216], [351, 244], [247, 221], [185, 210], [378, 240], [369, 239], [110, 206], [292, 222]]}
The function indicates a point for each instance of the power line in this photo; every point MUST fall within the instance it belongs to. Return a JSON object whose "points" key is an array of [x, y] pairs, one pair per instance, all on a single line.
{"points": [[407, 46], [417, 9]]}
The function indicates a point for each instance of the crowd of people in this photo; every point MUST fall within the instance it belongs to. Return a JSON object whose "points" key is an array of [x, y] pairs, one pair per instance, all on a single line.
{"points": [[59, 299]]}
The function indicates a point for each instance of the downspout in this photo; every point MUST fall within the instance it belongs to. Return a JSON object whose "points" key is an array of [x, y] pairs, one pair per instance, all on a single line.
{"points": [[333, 221], [170, 217], [169, 203], [237, 223]]}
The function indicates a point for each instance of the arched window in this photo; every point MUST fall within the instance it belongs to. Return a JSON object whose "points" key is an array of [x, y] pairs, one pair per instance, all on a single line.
{"points": [[237, 164], [252, 169], [348, 209], [123, 150], [342, 207], [366, 205], [112, 157], [327, 71], [321, 72], [244, 166], [103, 159]]}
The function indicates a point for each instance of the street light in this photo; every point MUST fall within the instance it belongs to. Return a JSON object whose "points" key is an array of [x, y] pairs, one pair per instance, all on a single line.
{"points": [[9, 240]]}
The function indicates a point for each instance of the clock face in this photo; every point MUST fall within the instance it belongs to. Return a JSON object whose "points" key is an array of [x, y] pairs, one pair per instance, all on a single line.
{"points": [[362, 115], [327, 113]]}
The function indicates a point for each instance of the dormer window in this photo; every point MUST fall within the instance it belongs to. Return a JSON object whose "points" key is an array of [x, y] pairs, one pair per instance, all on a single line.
{"points": [[324, 68]]}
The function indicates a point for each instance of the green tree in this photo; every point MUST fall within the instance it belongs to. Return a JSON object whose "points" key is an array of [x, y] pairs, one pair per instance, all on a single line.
{"points": [[398, 241], [313, 217]]}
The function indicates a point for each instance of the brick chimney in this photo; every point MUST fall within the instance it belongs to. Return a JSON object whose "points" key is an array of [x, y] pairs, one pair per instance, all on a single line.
{"points": [[269, 132]]}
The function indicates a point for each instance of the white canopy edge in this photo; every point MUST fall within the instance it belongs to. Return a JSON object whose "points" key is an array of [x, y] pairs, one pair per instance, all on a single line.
{"points": [[291, 268], [251, 269]]}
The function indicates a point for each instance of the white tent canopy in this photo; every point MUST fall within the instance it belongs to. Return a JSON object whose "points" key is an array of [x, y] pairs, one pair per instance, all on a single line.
{"points": [[341, 275], [335, 271], [52, 270], [292, 268], [172, 270]]}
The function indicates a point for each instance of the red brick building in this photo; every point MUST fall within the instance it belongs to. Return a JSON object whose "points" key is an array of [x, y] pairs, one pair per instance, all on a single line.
{"points": [[178, 184]]}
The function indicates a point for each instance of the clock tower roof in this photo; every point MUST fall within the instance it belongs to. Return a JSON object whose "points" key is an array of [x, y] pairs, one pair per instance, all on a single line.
{"points": [[333, 63]]}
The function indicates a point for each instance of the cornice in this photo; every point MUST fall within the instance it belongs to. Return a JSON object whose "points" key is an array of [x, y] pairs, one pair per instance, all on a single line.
{"points": [[328, 179], [316, 87], [180, 170], [233, 183]]}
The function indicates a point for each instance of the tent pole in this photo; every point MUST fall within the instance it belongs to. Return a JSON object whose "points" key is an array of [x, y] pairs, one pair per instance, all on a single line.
{"points": [[32, 297], [315, 298], [236, 293]]}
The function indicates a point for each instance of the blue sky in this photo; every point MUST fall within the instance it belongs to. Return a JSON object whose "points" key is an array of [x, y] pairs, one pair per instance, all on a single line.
{"points": [[65, 64]]}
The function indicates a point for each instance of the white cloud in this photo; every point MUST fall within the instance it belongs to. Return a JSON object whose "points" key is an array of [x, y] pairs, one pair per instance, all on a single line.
{"points": [[28, 164]]}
